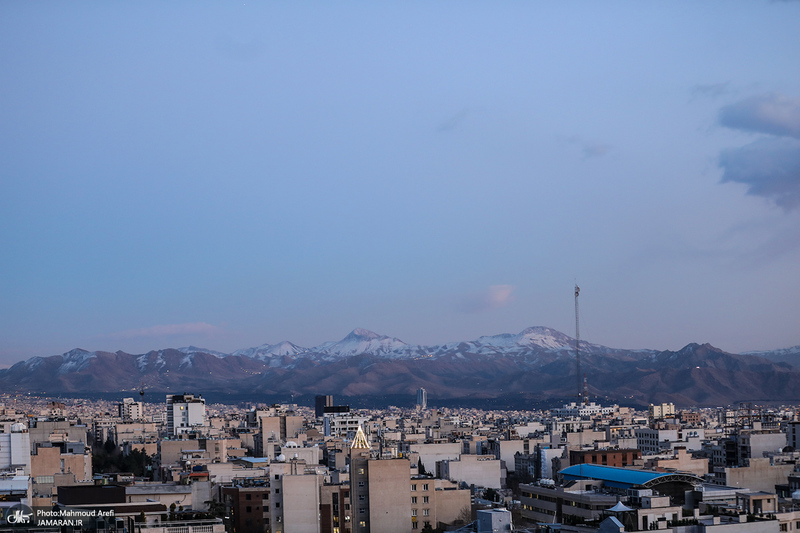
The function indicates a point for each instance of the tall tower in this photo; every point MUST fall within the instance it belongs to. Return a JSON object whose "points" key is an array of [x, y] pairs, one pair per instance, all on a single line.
{"points": [[577, 344], [321, 402], [422, 399]]}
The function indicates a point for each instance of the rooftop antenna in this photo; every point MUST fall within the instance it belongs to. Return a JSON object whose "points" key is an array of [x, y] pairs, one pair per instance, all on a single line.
{"points": [[577, 342]]}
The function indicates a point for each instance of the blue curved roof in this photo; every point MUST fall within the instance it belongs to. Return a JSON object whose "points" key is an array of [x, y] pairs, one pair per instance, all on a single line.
{"points": [[612, 476]]}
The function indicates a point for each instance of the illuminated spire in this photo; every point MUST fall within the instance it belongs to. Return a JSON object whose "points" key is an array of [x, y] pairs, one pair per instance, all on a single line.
{"points": [[360, 442]]}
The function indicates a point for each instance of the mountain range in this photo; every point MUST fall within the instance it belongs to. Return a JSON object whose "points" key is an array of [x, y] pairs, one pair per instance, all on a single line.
{"points": [[537, 363]]}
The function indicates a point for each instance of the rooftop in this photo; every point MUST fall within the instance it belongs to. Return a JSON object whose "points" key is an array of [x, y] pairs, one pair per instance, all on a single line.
{"points": [[623, 478]]}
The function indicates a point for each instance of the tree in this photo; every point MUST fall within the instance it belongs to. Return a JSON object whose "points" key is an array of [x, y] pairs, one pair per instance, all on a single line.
{"points": [[215, 508], [110, 447], [464, 515]]}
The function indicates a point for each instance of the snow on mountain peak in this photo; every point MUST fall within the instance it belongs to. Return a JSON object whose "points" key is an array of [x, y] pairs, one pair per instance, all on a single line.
{"points": [[360, 341], [191, 350], [267, 351], [75, 360], [542, 337], [361, 333]]}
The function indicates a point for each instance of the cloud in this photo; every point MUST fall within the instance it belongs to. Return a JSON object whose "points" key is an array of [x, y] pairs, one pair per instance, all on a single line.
{"points": [[773, 113], [769, 167], [169, 330], [590, 148], [595, 150], [711, 90], [494, 297], [454, 121]]}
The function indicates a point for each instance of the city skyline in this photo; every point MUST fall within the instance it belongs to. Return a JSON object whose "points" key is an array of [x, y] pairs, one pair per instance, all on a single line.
{"points": [[231, 176]]}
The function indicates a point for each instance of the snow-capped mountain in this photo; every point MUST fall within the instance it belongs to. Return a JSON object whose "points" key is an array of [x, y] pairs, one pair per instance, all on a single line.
{"points": [[787, 355], [268, 351], [194, 349], [538, 362], [363, 341]]}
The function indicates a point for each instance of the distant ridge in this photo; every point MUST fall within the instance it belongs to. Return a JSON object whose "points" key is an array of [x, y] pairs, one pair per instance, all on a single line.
{"points": [[535, 363]]}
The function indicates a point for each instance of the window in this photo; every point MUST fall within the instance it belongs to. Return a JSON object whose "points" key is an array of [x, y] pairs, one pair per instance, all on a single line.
{"points": [[413, 512], [424, 486], [413, 486], [414, 525], [426, 512], [425, 499], [362, 510], [248, 509], [413, 499], [360, 483], [247, 496], [361, 497], [277, 504]]}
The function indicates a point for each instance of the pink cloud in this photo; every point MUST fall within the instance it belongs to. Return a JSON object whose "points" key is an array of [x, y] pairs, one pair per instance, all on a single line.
{"points": [[494, 297]]}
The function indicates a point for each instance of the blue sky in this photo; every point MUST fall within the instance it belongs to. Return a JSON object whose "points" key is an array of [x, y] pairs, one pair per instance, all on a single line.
{"points": [[231, 174]]}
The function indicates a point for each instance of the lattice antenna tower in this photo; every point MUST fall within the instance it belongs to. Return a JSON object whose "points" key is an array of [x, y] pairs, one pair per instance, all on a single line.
{"points": [[577, 342]]}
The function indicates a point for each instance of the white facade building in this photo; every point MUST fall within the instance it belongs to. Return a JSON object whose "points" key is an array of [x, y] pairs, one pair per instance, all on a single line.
{"points": [[130, 410], [342, 425], [185, 413], [576, 410], [15, 449]]}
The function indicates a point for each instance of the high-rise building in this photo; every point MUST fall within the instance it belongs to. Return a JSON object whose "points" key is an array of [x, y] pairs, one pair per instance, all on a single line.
{"points": [[386, 498], [130, 409], [380, 491], [342, 425], [664, 410], [321, 402], [422, 398], [185, 413]]}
